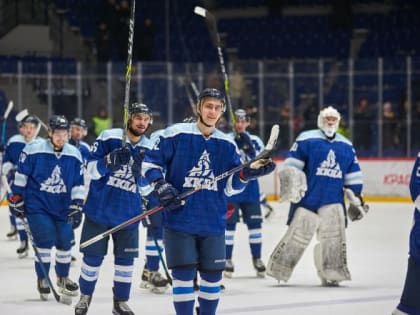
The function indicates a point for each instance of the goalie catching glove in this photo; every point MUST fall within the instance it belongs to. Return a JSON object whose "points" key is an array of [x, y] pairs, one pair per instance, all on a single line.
{"points": [[168, 195], [17, 205], [357, 207], [293, 185], [257, 169]]}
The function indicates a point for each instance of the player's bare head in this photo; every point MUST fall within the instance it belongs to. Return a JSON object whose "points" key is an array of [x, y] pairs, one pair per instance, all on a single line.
{"points": [[210, 106], [140, 118], [58, 126], [328, 121]]}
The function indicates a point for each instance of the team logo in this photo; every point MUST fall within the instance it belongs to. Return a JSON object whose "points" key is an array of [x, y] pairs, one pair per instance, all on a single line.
{"points": [[122, 179], [54, 184], [201, 174], [330, 167]]}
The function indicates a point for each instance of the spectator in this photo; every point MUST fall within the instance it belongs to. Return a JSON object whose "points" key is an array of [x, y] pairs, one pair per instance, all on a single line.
{"points": [[362, 125], [101, 121], [389, 127], [145, 40]]}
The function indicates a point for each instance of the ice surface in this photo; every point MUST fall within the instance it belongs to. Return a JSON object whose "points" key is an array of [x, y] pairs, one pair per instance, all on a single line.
{"points": [[377, 257]]}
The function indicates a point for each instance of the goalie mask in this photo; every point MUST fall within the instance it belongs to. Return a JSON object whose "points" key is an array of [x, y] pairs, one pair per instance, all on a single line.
{"points": [[328, 121]]}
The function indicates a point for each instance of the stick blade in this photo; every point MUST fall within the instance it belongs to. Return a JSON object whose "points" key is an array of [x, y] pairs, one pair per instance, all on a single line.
{"points": [[200, 11], [8, 109], [272, 140], [22, 114]]}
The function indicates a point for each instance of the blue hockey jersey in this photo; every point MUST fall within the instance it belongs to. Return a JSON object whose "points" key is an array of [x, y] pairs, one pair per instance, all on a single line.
{"points": [[14, 147], [189, 159], [251, 192], [113, 197], [49, 181], [329, 166]]}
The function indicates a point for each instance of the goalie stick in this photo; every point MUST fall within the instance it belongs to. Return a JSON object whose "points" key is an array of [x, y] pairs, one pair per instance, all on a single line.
{"points": [[59, 298], [266, 153], [128, 70], [211, 22]]}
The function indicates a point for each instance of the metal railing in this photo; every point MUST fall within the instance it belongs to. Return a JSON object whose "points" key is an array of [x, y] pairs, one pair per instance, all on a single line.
{"points": [[287, 92]]}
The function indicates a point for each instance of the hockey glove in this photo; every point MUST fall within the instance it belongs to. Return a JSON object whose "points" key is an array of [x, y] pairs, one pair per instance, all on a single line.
{"points": [[117, 158], [259, 168], [357, 207], [244, 143], [75, 213], [17, 206], [168, 195], [137, 160]]}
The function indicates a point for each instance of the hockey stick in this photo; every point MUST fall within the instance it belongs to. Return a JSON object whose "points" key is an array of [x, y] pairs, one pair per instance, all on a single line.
{"points": [[24, 112], [211, 22], [59, 298], [128, 71], [4, 123], [162, 261], [267, 152]]}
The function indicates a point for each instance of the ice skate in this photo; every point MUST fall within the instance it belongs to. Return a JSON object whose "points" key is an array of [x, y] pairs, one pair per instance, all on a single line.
{"points": [[67, 286], [259, 267], [229, 268], [43, 289], [121, 308], [330, 283], [23, 249], [82, 306], [12, 234], [154, 281]]}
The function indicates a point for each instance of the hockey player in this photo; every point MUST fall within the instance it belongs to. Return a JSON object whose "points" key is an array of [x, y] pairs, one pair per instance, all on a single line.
{"points": [[27, 132], [113, 198], [319, 166], [248, 201], [193, 154], [48, 191], [409, 302], [151, 278], [78, 130]]}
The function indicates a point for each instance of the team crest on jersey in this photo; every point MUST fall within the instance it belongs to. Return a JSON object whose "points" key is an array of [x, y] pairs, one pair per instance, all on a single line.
{"points": [[201, 174], [330, 167], [54, 184], [122, 179]]}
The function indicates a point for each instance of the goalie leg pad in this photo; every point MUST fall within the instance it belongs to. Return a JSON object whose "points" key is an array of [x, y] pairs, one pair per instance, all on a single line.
{"points": [[330, 254], [291, 247]]}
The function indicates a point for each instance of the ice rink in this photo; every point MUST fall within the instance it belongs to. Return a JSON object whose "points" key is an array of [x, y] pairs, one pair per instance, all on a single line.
{"points": [[377, 257]]}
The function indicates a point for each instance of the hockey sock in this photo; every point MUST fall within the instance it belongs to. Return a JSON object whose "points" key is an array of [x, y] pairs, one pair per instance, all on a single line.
{"points": [[229, 239], [12, 220], [409, 297], [89, 273], [123, 275], [21, 230], [209, 292], [45, 254], [62, 262], [255, 239], [183, 290], [152, 252]]}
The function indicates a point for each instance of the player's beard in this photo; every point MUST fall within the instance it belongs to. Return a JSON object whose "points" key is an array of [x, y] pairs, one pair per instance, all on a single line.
{"points": [[135, 132]]}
